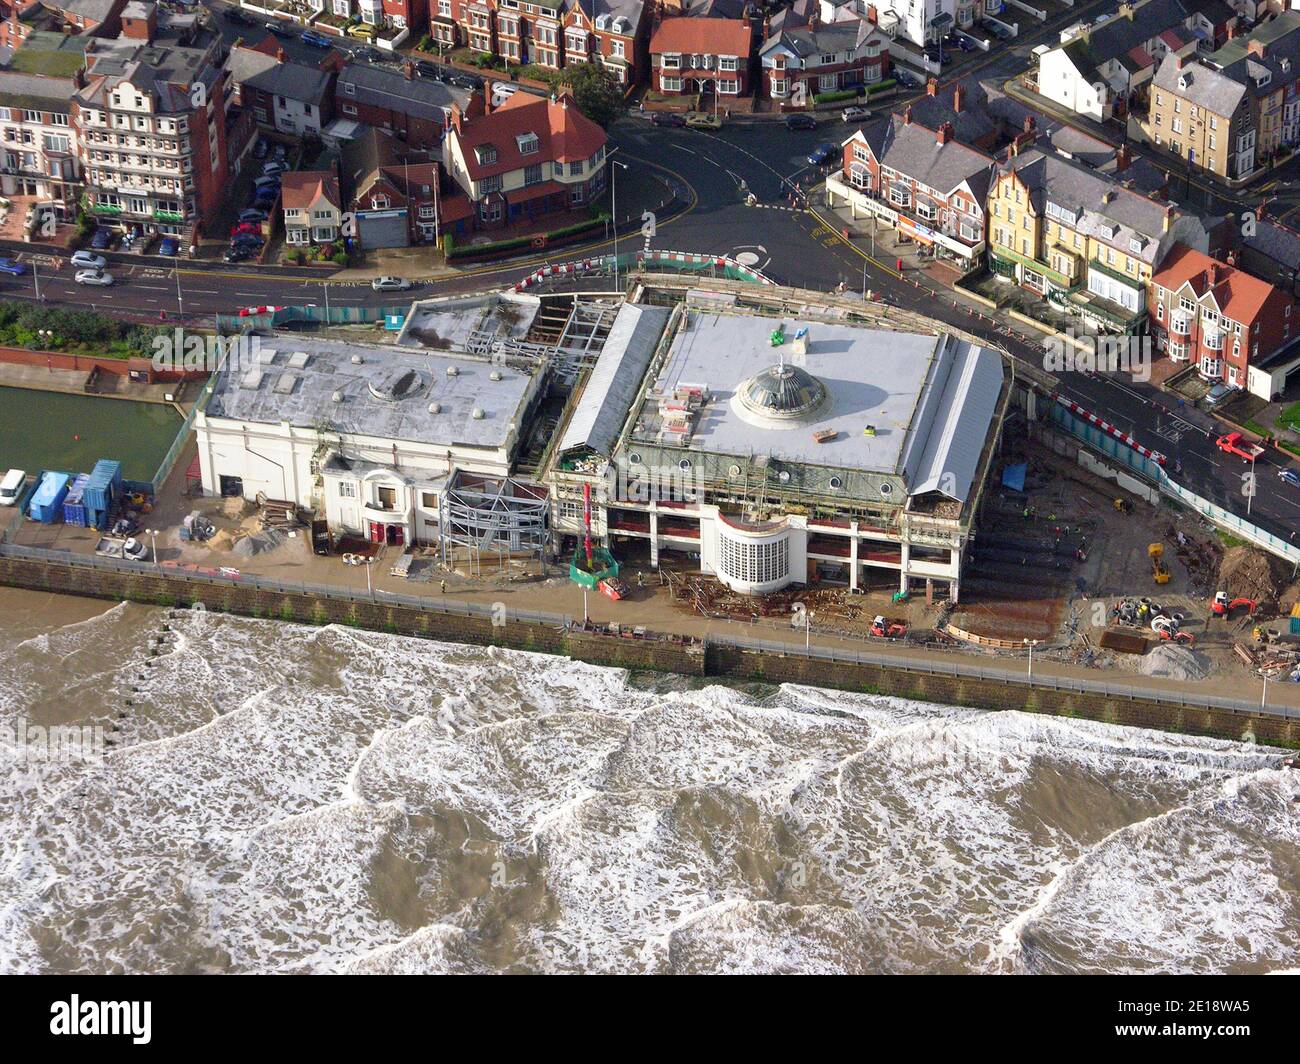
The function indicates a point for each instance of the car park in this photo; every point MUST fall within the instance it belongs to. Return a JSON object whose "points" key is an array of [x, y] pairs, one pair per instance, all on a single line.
{"points": [[169, 246], [390, 284], [88, 260], [821, 154], [316, 39], [793, 122], [667, 118], [8, 265], [856, 114], [94, 277]]}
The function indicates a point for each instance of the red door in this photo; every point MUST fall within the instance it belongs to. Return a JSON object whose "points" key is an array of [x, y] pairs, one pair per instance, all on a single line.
{"points": [[376, 532]]}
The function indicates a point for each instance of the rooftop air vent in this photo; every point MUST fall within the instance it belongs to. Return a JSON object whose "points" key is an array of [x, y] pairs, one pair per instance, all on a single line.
{"points": [[356, 360], [453, 371], [478, 414], [435, 408], [495, 375], [337, 397]]}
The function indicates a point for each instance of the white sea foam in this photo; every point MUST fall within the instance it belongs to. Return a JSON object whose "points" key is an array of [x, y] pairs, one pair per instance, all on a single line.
{"points": [[288, 798]]}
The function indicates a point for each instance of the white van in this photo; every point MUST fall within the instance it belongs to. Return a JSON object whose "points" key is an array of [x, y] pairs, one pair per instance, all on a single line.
{"points": [[11, 487]]}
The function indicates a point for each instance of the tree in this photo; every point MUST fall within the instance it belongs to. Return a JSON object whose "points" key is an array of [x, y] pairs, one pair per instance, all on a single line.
{"points": [[595, 90]]}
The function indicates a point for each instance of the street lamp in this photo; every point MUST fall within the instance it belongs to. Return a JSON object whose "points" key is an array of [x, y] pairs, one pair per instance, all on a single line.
{"points": [[613, 207], [807, 632], [180, 303], [153, 538], [1031, 643]]}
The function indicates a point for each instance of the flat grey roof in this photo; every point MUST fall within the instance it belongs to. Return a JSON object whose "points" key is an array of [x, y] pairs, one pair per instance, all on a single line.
{"points": [[450, 324], [283, 386], [615, 379], [872, 377]]}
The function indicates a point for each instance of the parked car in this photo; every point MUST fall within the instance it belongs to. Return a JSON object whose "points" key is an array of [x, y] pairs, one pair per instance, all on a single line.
{"points": [[821, 154], [250, 228], [241, 18], [368, 55], [362, 30], [102, 240], [261, 149], [429, 70], [238, 253], [316, 39], [793, 122], [94, 277], [267, 181], [247, 240], [1290, 476], [8, 265], [88, 260], [1218, 395], [856, 114], [997, 31], [966, 44], [252, 214], [280, 29], [169, 246], [667, 118], [466, 81], [390, 284], [274, 168], [267, 201], [907, 78], [702, 120]]}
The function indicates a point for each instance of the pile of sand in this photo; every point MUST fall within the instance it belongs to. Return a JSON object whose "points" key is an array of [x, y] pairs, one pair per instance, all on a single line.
{"points": [[1175, 662], [1254, 574]]}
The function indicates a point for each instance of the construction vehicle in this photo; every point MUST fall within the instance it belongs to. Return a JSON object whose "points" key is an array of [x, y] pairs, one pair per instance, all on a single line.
{"points": [[1241, 445], [1159, 570], [1168, 628], [614, 588], [883, 629], [1223, 606]]}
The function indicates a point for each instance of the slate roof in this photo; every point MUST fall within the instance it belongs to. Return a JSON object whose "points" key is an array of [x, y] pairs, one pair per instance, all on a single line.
{"points": [[914, 150], [33, 92], [393, 91], [1206, 87], [294, 81], [972, 123]]}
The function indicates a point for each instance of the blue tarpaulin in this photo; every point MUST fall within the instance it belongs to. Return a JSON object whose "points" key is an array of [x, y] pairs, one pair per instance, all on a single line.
{"points": [[1013, 476]]}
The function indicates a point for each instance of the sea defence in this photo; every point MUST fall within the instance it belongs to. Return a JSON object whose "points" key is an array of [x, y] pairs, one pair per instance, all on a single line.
{"points": [[932, 678]]}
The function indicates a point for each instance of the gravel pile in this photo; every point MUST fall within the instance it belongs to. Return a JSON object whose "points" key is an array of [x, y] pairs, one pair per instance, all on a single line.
{"points": [[260, 543], [1175, 663]]}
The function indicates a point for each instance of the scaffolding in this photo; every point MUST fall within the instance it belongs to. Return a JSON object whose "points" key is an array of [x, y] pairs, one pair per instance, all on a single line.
{"points": [[574, 348], [504, 516]]}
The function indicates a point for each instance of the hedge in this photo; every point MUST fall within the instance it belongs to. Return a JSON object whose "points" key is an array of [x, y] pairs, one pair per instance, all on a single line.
{"points": [[881, 86], [835, 97], [451, 251]]}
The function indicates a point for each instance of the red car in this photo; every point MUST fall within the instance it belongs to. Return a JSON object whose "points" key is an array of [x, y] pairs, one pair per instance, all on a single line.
{"points": [[246, 228]]}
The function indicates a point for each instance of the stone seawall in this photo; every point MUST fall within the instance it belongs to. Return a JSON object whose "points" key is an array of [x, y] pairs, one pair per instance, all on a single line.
{"points": [[660, 655]]}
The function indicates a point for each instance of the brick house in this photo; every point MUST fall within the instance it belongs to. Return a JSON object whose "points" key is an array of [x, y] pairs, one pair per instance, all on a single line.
{"points": [[802, 54], [530, 156], [312, 206], [389, 17], [413, 109], [924, 182], [282, 96], [1216, 316], [394, 198], [690, 56], [615, 33]]}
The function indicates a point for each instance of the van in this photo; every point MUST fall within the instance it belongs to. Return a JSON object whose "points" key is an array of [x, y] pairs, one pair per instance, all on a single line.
{"points": [[11, 487]]}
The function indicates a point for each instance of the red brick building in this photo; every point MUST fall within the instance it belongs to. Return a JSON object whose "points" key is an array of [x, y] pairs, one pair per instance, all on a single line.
{"points": [[414, 110], [1216, 316], [801, 56], [697, 55]]}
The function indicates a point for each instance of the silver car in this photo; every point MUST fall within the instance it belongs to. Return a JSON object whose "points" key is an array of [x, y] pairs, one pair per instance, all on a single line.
{"points": [[390, 284], [95, 277]]}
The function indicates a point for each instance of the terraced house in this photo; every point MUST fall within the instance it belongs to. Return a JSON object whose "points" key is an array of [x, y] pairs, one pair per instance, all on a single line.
{"points": [[1230, 112], [38, 143], [924, 182], [614, 33], [529, 157], [151, 119], [1081, 240]]}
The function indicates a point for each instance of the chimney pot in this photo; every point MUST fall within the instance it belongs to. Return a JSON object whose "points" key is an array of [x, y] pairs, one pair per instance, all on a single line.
{"points": [[931, 86], [944, 133], [958, 98], [408, 69], [907, 115]]}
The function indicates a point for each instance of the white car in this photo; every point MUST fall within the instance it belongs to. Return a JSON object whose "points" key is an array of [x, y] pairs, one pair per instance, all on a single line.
{"points": [[88, 260], [98, 277], [856, 114], [390, 284]]}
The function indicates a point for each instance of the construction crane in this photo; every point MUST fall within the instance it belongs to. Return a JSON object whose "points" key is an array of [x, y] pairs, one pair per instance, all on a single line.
{"points": [[1159, 570]]}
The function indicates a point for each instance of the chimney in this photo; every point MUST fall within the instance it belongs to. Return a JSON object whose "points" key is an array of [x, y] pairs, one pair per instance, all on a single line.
{"points": [[281, 56], [456, 117], [1108, 195], [1256, 47], [1127, 11], [1212, 274], [1232, 31], [79, 78], [958, 98], [1030, 123], [931, 86], [907, 115], [408, 70], [944, 133], [1232, 257], [1168, 218], [767, 27], [1122, 159], [141, 27], [487, 96]]}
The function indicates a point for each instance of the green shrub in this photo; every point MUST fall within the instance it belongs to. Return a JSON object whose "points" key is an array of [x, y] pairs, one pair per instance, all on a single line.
{"points": [[426, 44], [835, 97], [881, 86]]}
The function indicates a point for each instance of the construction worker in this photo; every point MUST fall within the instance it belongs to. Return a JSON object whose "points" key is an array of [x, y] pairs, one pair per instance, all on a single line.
{"points": [[640, 578], [443, 585]]}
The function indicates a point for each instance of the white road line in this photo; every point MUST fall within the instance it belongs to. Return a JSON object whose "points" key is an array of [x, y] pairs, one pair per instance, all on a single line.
{"points": [[688, 151]]}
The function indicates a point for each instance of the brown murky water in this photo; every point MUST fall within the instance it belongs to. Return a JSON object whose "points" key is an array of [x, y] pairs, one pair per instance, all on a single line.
{"points": [[276, 798]]}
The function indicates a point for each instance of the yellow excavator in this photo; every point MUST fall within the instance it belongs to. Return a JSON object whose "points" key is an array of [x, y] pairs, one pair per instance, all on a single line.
{"points": [[1159, 570]]}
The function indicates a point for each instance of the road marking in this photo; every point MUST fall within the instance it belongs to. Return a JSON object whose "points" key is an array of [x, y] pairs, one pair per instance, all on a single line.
{"points": [[681, 147]]}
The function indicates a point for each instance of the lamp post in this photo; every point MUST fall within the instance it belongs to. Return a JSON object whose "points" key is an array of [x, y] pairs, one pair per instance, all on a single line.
{"points": [[153, 538], [807, 632], [36, 280], [613, 207], [180, 302], [1031, 643]]}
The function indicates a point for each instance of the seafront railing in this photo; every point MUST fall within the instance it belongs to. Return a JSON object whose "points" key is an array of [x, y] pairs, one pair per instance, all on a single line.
{"points": [[930, 664]]}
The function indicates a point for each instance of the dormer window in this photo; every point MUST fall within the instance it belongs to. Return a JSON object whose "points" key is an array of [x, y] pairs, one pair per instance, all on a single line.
{"points": [[486, 154], [1135, 244], [527, 142]]}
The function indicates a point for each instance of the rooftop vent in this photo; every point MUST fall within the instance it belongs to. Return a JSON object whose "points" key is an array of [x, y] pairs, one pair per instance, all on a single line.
{"points": [[356, 360], [398, 385], [337, 397], [495, 375], [435, 408], [453, 371], [299, 360], [478, 414]]}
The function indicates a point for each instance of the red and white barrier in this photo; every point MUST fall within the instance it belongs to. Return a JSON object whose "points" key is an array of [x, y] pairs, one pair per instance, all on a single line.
{"points": [[1110, 429], [249, 312]]}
